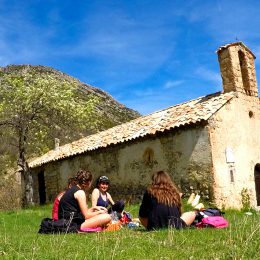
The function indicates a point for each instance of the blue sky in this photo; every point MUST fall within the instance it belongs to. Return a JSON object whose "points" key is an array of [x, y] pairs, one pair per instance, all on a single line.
{"points": [[147, 54]]}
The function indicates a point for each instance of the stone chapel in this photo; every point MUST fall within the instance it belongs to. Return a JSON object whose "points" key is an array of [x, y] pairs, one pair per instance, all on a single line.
{"points": [[210, 145]]}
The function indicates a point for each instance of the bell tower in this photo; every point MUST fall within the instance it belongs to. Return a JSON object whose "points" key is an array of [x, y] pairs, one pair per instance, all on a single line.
{"points": [[237, 68]]}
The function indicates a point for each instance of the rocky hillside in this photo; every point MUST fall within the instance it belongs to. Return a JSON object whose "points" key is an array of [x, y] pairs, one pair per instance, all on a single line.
{"points": [[109, 111]]}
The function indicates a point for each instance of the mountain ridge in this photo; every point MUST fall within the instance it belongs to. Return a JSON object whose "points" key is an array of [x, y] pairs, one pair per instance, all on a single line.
{"points": [[112, 111]]}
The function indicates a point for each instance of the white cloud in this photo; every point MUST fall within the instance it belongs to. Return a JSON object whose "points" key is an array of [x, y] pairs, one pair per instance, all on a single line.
{"points": [[172, 83], [125, 46], [156, 100], [115, 45], [211, 76], [22, 40], [227, 21], [147, 92]]}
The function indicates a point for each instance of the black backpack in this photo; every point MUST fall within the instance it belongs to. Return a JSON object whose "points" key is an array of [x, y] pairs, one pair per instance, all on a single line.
{"points": [[50, 226], [213, 212], [208, 212]]}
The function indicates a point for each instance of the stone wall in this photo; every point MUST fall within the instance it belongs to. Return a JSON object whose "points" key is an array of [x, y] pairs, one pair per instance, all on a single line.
{"points": [[184, 153], [238, 69], [236, 127]]}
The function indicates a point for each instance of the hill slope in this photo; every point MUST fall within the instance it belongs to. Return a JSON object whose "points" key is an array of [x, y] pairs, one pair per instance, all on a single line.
{"points": [[109, 111]]}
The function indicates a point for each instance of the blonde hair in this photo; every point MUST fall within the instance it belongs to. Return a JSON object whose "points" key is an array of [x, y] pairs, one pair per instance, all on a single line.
{"points": [[164, 190]]}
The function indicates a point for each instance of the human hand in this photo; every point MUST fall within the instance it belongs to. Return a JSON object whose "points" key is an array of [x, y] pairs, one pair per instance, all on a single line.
{"points": [[100, 209]]}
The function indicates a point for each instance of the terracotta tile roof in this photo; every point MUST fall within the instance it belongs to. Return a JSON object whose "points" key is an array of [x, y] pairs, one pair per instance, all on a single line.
{"points": [[187, 113]]}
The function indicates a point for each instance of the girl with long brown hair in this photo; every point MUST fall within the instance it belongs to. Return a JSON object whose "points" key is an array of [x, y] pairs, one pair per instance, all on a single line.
{"points": [[161, 205]]}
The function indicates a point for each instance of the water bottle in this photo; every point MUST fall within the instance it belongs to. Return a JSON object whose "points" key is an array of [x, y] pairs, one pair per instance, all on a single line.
{"points": [[114, 217]]}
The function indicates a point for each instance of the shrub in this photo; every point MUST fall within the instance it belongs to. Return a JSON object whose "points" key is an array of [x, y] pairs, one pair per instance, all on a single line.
{"points": [[10, 193], [245, 199]]}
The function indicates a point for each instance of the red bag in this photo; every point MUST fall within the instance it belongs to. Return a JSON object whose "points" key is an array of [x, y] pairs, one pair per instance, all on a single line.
{"points": [[126, 218], [213, 221]]}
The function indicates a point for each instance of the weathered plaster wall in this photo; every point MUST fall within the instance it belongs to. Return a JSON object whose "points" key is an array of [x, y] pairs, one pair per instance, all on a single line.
{"points": [[233, 127], [185, 154]]}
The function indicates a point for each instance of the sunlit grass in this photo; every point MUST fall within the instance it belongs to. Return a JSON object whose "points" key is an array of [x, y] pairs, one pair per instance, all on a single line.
{"points": [[19, 240]]}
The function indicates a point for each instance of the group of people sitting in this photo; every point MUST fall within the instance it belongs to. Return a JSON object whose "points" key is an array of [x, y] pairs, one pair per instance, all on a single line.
{"points": [[160, 208]]}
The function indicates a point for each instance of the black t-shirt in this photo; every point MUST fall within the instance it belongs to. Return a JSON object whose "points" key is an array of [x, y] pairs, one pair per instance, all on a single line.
{"points": [[159, 215], [69, 206]]}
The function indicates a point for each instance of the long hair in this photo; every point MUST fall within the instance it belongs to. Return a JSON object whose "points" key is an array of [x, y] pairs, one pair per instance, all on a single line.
{"points": [[83, 177], [164, 190]]}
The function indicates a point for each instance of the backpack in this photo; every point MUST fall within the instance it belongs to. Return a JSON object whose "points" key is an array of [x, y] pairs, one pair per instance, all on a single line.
{"points": [[208, 212], [118, 206], [213, 221], [50, 226], [213, 212]]}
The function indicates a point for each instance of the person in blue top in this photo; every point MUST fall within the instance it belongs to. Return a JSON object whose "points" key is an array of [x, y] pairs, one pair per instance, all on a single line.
{"points": [[100, 196]]}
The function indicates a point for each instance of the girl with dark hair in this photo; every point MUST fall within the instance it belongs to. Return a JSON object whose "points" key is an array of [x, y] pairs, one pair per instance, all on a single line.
{"points": [[161, 205], [73, 204], [55, 207], [101, 197]]}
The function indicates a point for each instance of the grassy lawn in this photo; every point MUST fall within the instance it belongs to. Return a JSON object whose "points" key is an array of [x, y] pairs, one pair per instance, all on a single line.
{"points": [[19, 240]]}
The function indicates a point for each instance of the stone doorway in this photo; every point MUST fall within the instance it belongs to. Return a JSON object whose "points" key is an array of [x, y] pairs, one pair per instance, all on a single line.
{"points": [[41, 187], [257, 183]]}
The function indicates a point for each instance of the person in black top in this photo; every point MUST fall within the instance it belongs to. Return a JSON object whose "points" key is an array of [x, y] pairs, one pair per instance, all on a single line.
{"points": [[161, 205], [73, 204]]}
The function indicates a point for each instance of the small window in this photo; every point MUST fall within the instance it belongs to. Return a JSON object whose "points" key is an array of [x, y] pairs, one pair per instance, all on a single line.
{"points": [[251, 114], [148, 155], [231, 171]]}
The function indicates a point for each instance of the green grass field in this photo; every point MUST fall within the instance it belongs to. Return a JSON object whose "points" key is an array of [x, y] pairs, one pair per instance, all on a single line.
{"points": [[19, 240]]}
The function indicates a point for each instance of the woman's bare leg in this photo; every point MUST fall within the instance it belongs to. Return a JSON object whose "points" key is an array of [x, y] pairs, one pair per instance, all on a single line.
{"points": [[188, 217], [97, 221]]}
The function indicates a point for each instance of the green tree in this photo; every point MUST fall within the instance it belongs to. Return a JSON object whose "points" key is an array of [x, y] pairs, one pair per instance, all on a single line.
{"points": [[34, 109]]}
